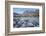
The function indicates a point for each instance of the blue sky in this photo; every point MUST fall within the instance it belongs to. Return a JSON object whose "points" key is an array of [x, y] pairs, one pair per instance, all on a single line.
{"points": [[21, 10]]}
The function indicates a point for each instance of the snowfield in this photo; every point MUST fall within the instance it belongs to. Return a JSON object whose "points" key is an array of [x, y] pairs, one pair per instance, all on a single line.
{"points": [[20, 22]]}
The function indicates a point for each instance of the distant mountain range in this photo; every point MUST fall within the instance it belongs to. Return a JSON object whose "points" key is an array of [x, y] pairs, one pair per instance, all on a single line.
{"points": [[31, 11], [28, 13]]}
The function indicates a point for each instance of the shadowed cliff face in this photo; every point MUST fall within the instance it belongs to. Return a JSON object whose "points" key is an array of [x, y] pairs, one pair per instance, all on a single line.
{"points": [[20, 22]]}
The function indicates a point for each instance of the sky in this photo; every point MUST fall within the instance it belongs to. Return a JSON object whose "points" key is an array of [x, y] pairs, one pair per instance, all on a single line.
{"points": [[21, 10]]}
